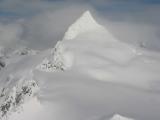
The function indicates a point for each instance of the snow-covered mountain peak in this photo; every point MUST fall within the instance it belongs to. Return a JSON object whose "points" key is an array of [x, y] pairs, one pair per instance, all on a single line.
{"points": [[119, 117], [84, 24], [87, 16]]}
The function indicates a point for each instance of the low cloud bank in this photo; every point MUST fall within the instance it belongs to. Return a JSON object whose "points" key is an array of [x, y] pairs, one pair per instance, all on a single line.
{"points": [[40, 24]]}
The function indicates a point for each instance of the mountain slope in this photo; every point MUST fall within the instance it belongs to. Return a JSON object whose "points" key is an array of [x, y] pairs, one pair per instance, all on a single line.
{"points": [[89, 75], [98, 54]]}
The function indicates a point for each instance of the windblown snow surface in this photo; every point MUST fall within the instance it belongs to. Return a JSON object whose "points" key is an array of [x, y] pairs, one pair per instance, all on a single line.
{"points": [[89, 75]]}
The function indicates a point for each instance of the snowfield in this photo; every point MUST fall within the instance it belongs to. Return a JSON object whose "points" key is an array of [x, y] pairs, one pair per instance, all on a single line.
{"points": [[88, 75]]}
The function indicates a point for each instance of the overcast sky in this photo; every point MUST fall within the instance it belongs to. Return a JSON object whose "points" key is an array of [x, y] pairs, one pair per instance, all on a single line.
{"points": [[40, 23]]}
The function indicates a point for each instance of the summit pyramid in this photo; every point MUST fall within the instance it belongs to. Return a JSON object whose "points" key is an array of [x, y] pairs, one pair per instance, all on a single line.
{"points": [[84, 24]]}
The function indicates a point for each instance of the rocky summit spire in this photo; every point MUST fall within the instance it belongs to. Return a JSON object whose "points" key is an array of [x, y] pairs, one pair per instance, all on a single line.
{"points": [[84, 24]]}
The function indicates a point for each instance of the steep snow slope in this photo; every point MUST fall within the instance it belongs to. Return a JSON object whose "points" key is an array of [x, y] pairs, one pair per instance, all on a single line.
{"points": [[89, 75]]}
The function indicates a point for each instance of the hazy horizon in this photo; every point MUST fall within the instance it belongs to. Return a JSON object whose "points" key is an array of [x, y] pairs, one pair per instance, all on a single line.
{"points": [[40, 24]]}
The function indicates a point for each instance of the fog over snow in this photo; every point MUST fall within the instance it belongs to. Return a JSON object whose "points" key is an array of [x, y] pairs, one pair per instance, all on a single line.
{"points": [[79, 60]]}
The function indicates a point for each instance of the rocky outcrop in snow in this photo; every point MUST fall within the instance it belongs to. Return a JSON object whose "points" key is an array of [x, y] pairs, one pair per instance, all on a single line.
{"points": [[59, 60], [12, 98], [2, 63], [9, 55], [25, 51]]}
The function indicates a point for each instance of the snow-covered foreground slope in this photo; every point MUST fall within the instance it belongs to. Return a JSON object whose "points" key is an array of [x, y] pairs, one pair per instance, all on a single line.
{"points": [[89, 75]]}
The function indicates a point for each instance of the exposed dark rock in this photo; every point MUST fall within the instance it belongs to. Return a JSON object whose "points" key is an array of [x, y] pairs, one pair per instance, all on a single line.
{"points": [[2, 63]]}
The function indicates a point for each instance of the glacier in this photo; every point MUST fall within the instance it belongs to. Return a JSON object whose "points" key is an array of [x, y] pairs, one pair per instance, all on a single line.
{"points": [[88, 75]]}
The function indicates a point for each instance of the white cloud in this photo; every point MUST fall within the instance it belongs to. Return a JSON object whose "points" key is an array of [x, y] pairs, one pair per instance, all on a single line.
{"points": [[45, 29], [10, 33], [52, 18]]}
